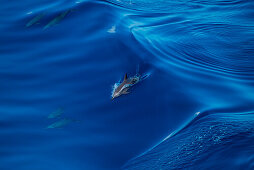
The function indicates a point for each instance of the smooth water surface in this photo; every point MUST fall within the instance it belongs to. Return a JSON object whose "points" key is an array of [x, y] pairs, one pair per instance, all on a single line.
{"points": [[59, 61]]}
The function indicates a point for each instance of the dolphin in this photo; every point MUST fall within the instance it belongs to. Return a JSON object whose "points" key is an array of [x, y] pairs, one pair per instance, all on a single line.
{"points": [[59, 123], [56, 113], [35, 20], [122, 88], [57, 19]]}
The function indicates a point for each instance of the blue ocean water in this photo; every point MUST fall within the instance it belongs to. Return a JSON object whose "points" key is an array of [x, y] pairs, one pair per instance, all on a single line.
{"points": [[59, 61]]}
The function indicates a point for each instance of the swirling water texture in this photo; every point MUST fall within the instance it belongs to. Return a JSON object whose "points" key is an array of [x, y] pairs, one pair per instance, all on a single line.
{"points": [[212, 43], [200, 54], [214, 39], [213, 141]]}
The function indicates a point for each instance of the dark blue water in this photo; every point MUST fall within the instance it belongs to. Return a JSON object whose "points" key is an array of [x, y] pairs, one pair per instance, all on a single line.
{"points": [[60, 59]]}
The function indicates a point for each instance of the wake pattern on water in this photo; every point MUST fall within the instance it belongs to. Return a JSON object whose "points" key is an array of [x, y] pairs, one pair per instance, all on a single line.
{"points": [[70, 53], [197, 39], [214, 140], [211, 38]]}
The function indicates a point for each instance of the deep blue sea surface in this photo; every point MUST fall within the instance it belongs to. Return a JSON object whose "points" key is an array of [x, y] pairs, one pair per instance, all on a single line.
{"points": [[59, 61]]}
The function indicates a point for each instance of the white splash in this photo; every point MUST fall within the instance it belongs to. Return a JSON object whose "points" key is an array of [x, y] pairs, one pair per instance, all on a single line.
{"points": [[112, 29], [114, 88]]}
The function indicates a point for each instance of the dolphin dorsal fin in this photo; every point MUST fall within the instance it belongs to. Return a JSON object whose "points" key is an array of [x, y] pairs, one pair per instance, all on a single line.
{"points": [[125, 77]]}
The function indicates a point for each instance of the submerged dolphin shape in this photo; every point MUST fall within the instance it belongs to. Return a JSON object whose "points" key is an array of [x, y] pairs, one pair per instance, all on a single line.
{"points": [[57, 19], [35, 20], [59, 123], [56, 113], [123, 87]]}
